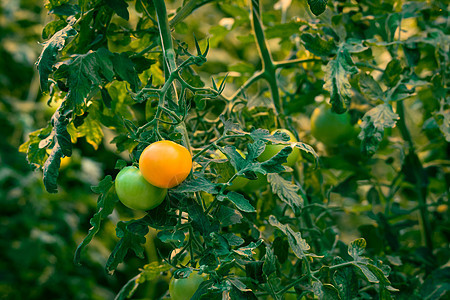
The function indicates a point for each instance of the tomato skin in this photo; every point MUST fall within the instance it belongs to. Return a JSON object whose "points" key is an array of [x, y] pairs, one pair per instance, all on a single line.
{"points": [[271, 150], [258, 184], [330, 128], [135, 192], [238, 182], [185, 288], [165, 164]]}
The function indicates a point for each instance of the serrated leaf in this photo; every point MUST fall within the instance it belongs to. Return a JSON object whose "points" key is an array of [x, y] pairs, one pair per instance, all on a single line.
{"points": [[62, 146], [356, 248], [132, 237], [228, 216], [248, 250], [370, 87], [65, 10], [275, 163], [296, 242], [91, 129], [47, 58], [336, 80], [372, 127], [317, 6], [286, 191], [238, 200], [86, 72], [317, 45], [345, 281], [325, 291], [119, 7], [270, 262], [233, 240], [199, 184], [392, 72], [176, 237], [199, 220], [366, 272], [105, 206]]}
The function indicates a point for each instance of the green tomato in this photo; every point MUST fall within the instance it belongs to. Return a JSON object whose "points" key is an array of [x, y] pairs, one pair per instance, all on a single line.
{"points": [[185, 288], [258, 184], [271, 150], [135, 192], [330, 128], [238, 182]]}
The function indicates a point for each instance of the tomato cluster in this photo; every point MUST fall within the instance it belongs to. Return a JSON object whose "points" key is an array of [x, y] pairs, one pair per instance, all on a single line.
{"points": [[162, 165]]}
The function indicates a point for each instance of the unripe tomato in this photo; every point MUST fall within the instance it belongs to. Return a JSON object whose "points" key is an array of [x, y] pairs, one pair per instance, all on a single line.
{"points": [[258, 184], [185, 288], [271, 150], [330, 128], [135, 192], [238, 182], [165, 164]]}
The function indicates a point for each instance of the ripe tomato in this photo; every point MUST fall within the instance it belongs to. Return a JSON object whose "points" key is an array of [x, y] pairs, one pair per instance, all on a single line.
{"points": [[273, 149], [330, 128], [238, 182], [165, 164], [135, 192], [185, 288]]}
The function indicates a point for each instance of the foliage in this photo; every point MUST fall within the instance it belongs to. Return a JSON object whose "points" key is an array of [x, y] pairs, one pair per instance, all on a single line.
{"points": [[364, 219]]}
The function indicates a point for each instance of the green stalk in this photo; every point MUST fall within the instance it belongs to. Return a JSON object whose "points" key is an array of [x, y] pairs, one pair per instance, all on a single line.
{"points": [[169, 57], [419, 177], [268, 66]]}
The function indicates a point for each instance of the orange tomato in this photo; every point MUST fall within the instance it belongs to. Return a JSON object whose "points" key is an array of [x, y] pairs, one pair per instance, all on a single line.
{"points": [[165, 164]]}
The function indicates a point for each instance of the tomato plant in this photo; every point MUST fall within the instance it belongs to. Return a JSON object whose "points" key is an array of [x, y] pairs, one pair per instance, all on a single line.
{"points": [[331, 128], [165, 164], [135, 192], [165, 84], [185, 288]]}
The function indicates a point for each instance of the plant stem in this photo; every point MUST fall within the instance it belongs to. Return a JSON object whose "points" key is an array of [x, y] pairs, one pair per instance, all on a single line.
{"points": [[268, 66], [169, 57], [420, 177]]}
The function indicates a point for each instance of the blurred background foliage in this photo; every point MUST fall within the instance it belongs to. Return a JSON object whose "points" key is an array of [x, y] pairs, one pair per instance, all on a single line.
{"points": [[40, 231]]}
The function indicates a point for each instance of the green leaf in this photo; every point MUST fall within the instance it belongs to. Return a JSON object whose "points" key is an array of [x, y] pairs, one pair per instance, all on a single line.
{"points": [[52, 27], [199, 184], [356, 248], [176, 237], [233, 240], [270, 262], [228, 216], [296, 242], [65, 10], [317, 6], [132, 237], [443, 120], [317, 45], [284, 30], [392, 72], [286, 191], [436, 285], [47, 58], [325, 291], [105, 206], [119, 7], [91, 129], [62, 146], [366, 272], [336, 80], [199, 220], [88, 71], [275, 163], [372, 127], [247, 251], [345, 280], [36, 155], [370, 87], [238, 200]]}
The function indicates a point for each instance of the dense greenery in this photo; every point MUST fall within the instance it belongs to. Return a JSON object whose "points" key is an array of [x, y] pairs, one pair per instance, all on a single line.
{"points": [[364, 216]]}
